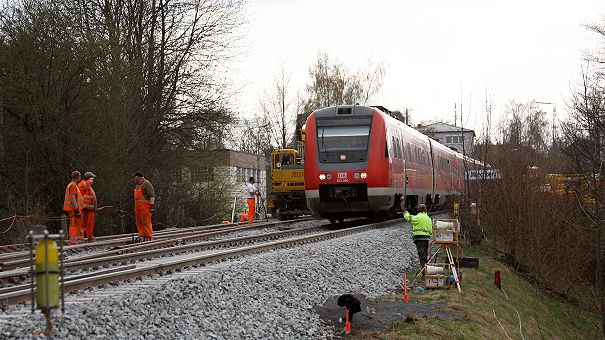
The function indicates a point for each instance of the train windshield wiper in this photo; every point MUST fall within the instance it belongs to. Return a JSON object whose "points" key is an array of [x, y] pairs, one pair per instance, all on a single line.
{"points": [[323, 144]]}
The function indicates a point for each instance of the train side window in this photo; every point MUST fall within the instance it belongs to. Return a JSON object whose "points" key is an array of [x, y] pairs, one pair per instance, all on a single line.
{"points": [[399, 155], [386, 148], [402, 149], [415, 154]]}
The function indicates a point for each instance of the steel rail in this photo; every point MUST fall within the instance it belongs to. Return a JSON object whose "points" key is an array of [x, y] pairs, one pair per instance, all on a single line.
{"points": [[69, 278], [13, 260], [169, 266], [6, 250], [171, 247]]}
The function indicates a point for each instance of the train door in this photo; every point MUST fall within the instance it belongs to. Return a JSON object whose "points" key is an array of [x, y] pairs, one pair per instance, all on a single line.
{"points": [[431, 197], [405, 172], [404, 180]]}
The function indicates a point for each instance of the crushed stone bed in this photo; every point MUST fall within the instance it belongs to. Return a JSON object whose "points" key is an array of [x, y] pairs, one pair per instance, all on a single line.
{"points": [[270, 295]]}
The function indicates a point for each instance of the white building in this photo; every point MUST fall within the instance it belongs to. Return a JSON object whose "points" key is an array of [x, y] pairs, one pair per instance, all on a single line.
{"points": [[234, 167], [450, 136]]}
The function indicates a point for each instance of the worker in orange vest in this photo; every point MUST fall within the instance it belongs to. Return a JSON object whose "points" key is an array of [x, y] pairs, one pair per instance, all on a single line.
{"points": [[89, 199], [144, 202], [72, 203]]}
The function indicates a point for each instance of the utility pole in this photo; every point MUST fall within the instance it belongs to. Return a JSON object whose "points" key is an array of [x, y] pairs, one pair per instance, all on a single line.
{"points": [[463, 148], [455, 115]]}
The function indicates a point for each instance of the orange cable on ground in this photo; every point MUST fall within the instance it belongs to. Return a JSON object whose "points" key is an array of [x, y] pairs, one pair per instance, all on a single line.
{"points": [[12, 223], [24, 217], [493, 311]]}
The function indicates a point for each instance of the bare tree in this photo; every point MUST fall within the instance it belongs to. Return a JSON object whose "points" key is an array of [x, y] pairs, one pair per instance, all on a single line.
{"points": [[585, 132], [370, 79], [332, 84], [525, 125], [252, 135], [109, 86], [276, 105]]}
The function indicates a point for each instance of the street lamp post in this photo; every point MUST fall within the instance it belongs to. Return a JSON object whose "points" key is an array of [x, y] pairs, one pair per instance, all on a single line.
{"points": [[554, 116]]}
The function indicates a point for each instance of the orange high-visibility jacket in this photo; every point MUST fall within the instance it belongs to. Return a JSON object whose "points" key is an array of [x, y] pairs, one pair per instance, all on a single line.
{"points": [[139, 200], [67, 205], [89, 197]]}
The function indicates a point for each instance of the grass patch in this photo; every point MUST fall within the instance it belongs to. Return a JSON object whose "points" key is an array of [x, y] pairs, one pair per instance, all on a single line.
{"points": [[482, 311]]}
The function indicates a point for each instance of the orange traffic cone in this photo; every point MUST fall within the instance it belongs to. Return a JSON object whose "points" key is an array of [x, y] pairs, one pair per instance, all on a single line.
{"points": [[347, 323], [405, 287]]}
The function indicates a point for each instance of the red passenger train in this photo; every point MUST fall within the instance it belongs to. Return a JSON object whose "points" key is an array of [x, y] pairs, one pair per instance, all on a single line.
{"points": [[360, 161]]}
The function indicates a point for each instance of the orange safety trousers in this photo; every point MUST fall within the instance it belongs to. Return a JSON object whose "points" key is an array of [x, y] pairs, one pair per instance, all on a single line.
{"points": [[88, 222], [142, 214], [75, 227], [251, 210]]}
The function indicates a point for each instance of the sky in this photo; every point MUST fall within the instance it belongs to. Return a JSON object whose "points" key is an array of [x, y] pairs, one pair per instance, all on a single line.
{"points": [[437, 53]]}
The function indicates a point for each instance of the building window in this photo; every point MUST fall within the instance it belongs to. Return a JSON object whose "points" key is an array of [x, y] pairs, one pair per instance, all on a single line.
{"points": [[453, 139], [202, 175], [241, 175]]}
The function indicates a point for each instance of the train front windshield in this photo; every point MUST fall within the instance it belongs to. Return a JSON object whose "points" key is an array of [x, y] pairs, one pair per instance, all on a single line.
{"points": [[343, 138]]}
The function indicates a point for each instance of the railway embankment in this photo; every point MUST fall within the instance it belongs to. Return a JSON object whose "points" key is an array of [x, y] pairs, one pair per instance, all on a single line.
{"points": [[521, 310]]}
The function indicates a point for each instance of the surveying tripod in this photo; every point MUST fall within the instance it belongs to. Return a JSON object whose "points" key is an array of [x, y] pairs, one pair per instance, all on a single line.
{"points": [[261, 208], [452, 265]]}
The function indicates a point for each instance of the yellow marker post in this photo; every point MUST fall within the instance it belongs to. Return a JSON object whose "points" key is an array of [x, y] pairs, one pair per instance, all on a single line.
{"points": [[47, 275], [48, 267]]}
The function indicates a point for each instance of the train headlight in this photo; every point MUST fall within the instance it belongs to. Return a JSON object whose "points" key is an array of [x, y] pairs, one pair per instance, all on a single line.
{"points": [[356, 175], [364, 175], [322, 177], [329, 176]]}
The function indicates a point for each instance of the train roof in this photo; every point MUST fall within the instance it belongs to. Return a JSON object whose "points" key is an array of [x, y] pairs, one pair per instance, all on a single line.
{"points": [[345, 111], [401, 124], [434, 142], [361, 110]]}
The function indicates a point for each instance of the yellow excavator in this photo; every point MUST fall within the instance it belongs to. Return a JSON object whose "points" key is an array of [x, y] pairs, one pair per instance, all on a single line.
{"points": [[287, 199]]}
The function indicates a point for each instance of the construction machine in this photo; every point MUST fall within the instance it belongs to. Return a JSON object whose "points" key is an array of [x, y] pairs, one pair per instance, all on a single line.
{"points": [[287, 199]]}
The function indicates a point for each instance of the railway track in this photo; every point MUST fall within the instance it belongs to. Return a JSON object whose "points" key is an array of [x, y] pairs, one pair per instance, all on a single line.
{"points": [[16, 259], [124, 266], [147, 250], [20, 251]]}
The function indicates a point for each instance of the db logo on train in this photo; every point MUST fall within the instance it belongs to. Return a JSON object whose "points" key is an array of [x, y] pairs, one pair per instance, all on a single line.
{"points": [[342, 177]]}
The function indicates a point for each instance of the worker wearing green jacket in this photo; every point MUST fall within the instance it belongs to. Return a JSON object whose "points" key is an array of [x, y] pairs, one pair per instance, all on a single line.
{"points": [[422, 230]]}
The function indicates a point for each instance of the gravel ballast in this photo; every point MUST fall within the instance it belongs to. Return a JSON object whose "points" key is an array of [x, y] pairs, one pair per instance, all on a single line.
{"points": [[270, 295]]}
